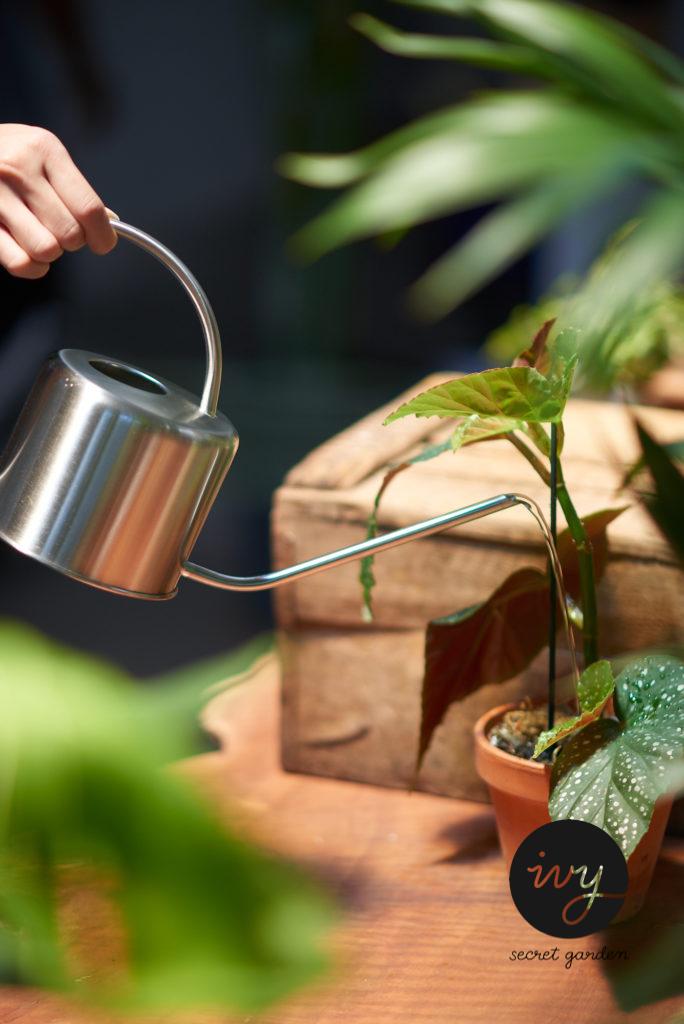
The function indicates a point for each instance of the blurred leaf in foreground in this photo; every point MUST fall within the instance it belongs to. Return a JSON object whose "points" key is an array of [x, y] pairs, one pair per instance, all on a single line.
{"points": [[208, 920], [174, 700], [654, 974]]}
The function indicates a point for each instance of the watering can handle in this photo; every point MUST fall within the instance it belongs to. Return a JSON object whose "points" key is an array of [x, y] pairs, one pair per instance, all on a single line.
{"points": [[212, 338]]}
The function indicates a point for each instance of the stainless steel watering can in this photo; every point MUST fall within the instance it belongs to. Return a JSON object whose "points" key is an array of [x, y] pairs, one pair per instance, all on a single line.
{"points": [[111, 472]]}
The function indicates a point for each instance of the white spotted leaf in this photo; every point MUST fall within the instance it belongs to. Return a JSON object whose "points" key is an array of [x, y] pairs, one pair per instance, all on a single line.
{"points": [[613, 771]]}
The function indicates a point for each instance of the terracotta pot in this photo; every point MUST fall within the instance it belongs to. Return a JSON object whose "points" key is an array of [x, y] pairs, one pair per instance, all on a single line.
{"points": [[520, 794]]}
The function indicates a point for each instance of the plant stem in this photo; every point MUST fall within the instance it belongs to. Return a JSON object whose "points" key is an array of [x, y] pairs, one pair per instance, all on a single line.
{"points": [[585, 558], [553, 589], [582, 543], [533, 460]]}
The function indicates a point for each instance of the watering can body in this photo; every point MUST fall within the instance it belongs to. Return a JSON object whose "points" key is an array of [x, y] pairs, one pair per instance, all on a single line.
{"points": [[110, 474]]}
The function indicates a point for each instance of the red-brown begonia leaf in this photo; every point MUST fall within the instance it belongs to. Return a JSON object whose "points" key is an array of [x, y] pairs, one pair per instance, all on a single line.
{"points": [[595, 524], [494, 641], [537, 355], [487, 643]]}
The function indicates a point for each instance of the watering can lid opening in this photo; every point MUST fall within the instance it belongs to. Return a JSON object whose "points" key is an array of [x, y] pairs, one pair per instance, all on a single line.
{"points": [[141, 393]]}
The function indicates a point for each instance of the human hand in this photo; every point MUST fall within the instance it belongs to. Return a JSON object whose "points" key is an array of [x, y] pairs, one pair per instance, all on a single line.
{"points": [[46, 205]]}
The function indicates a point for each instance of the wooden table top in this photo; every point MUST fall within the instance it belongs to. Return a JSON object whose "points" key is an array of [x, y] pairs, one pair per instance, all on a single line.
{"points": [[428, 926]]}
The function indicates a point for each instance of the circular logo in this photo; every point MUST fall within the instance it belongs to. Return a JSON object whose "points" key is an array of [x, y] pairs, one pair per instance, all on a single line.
{"points": [[568, 879]]}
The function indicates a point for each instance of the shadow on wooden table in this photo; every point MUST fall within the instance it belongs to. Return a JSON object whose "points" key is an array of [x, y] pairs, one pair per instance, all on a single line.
{"points": [[474, 839]]}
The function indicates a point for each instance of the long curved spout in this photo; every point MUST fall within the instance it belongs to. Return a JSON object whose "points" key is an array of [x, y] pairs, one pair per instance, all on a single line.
{"points": [[366, 547]]}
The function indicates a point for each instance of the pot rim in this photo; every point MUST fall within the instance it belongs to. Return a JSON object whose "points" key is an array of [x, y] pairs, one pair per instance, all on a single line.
{"points": [[519, 776], [483, 725]]}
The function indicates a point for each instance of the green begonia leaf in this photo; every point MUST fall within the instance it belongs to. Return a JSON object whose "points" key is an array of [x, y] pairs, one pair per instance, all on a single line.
{"points": [[593, 693], [481, 428], [512, 392]]}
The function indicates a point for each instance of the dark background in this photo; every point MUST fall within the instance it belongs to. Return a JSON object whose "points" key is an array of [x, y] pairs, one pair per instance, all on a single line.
{"points": [[176, 112]]}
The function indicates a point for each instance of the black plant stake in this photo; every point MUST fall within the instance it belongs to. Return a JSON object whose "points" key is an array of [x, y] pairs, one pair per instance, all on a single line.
{"points": [[553, 589]]}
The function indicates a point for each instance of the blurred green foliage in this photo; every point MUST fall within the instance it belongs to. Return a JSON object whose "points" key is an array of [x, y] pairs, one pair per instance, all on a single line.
{"points": [[208, 920], [608, 110], [653, 975], [630, 350]]}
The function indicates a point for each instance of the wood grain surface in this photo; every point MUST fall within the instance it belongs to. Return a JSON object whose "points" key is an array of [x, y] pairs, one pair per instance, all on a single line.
{"points": [[427, 926]]}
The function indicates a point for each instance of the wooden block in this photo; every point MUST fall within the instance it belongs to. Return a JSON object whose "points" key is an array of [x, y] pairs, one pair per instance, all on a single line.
{"points": [[351, 692], [351, 710]]}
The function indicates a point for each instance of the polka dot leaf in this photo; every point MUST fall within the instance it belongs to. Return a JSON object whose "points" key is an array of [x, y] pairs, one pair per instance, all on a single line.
{"points": [[613, 771]]}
